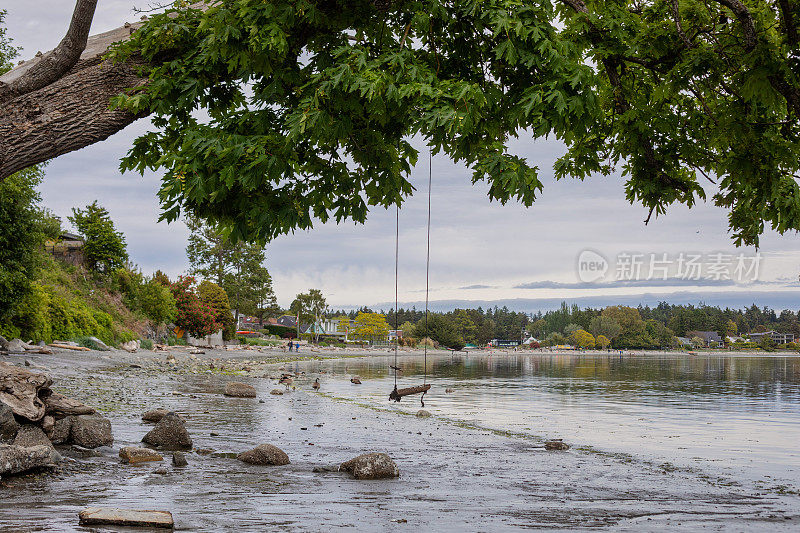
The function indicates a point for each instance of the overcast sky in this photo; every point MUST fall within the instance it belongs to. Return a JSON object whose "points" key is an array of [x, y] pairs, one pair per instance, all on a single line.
{"points": [[481, 252]]}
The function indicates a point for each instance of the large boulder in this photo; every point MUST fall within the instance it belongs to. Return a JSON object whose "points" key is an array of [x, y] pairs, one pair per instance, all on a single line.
{"points": [[91, 431], [239, 390], [3, 343], [133, 455], [23, 390], [16, 459], [8, 424], [169, 433], [60, 406], [371, 466], [154, 415], [264, 454], [30, 435]]}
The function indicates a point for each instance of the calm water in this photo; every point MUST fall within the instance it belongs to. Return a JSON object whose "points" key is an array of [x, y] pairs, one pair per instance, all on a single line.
{"points": [[730, 415]]}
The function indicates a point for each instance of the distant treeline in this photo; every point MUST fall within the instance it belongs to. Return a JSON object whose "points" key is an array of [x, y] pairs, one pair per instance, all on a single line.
{"points": [[622, 327]]}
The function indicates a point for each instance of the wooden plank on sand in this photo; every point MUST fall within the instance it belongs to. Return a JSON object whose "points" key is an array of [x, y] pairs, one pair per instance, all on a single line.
{"points": [[96, 516]]}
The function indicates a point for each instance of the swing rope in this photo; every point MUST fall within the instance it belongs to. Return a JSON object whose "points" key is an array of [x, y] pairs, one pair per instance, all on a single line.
{"points": [[397, 395], [396, 284], [428, 264]]}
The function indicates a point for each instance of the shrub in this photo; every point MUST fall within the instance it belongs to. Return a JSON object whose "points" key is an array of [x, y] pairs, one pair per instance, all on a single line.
{"points": [[146, 344], [192, 316], [157, 302], [216, 298]]}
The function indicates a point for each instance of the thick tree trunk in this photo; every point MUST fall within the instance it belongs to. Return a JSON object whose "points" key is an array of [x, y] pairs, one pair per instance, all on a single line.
{"points": [[70, 113]]}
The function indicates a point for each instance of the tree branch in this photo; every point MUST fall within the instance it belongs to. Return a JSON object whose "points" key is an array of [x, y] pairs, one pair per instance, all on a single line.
{"points": [[788, 22], [676, 14], [54, 64], [745, 18]]}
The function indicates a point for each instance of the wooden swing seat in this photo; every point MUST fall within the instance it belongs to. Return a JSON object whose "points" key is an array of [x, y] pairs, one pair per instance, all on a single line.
{"points": [[397, 394]]}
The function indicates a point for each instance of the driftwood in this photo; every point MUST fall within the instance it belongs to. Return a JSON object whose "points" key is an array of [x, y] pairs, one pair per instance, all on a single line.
{"points": [[60, 406], [70, 347], [397, 394], [95, 516], [23, 391]]}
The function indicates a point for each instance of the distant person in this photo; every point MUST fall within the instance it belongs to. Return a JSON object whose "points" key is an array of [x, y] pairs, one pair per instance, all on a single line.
{"points": [[290, 346]]}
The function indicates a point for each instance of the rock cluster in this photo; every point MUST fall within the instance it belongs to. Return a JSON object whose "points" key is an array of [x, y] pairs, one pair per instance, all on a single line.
{"points": [[33, 417]]}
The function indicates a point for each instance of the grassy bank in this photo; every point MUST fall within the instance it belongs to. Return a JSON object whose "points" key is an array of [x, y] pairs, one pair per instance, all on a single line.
{"points": [[69, 303]]}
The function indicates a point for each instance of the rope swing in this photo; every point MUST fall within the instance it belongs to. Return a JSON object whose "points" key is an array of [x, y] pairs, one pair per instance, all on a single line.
{"points": [[397, 394]]}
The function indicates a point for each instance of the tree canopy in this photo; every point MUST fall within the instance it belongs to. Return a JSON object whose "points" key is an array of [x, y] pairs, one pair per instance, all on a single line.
{"points": [[308, 106]]}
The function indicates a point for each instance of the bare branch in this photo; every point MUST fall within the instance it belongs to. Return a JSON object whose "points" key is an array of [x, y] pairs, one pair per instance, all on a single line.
{"points": [[54, 64]]}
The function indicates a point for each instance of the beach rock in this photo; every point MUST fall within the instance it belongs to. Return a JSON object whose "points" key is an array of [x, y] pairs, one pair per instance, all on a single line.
{"points": [[8, 424], [134, 455], [130, 346], [355, 380], [325, 468], [276, 392], [448, 390], [17, 459], [3, 343], [22, 390], [162, 471], [264, 454], [154, 415], [99, 344], [556, 444], [179, 459], [79, 452], [371, 466], [17, 346], [97, 516], [422, 413], [61, 430], [60, 406], [239, 390], [48, 422], [169, 433], [29, 436], [91, 431]]}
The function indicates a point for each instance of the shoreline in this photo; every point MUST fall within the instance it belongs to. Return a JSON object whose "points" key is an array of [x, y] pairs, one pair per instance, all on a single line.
{"points": [[515, 483]]}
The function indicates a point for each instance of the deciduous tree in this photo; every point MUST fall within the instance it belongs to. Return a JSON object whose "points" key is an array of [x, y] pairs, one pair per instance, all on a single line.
{"points": [[311, 105]]}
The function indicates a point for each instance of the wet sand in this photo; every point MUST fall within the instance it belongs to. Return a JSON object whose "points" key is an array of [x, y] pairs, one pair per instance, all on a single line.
{"points": [[453, 478]]}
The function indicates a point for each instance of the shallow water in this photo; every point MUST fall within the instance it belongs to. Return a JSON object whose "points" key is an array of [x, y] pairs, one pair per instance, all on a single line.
{"points": [[476, 465], [737, 415]]}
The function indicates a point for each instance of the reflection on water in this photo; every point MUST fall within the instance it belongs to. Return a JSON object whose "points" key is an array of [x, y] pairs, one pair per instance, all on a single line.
{"points": [[735, 414]]}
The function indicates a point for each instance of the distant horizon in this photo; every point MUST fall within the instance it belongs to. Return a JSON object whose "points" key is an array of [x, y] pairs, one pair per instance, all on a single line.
{"points": [[775, 300]]}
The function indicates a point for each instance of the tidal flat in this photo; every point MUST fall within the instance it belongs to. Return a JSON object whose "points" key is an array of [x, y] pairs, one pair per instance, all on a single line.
{"points": [[658, 443]]}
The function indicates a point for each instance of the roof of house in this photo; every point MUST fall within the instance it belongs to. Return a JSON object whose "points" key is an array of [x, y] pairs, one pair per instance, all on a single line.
{"points": [[708, 336]]}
